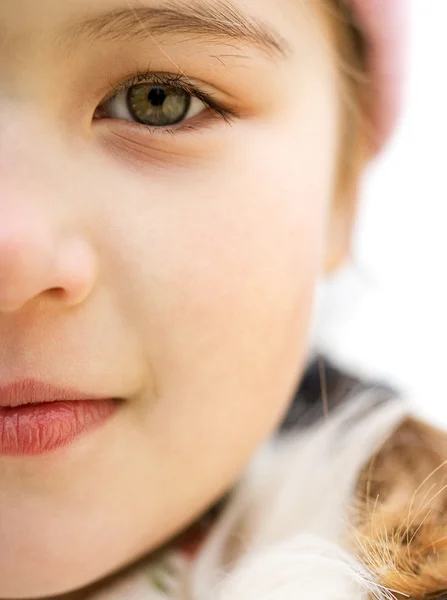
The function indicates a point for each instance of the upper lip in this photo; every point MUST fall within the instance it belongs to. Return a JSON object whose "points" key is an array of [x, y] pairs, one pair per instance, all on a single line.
{"points": [[33, 391]]}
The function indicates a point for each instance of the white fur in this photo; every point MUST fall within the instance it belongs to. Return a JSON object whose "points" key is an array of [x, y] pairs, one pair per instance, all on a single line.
{"points": [[304, 566], [292, 507]]}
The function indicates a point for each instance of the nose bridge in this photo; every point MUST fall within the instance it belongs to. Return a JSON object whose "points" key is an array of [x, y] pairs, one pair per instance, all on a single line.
{"points": [[40, 248], [27, 186], [25, 248], [37, 173], [27, 148], [25, 216], [25, 176]]}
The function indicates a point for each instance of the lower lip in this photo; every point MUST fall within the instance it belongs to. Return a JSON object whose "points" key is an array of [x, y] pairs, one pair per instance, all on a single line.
{"points": [[35, 429]]}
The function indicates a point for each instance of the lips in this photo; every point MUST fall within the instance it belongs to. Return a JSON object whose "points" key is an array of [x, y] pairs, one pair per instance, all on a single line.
{"points": [[36, 418]]}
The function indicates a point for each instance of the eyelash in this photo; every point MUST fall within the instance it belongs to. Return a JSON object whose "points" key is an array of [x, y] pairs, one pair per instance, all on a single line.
{"points": [[215, 109]]}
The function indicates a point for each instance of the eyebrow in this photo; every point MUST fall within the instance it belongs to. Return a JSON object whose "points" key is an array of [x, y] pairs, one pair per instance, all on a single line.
{"points": [[214, 21]]}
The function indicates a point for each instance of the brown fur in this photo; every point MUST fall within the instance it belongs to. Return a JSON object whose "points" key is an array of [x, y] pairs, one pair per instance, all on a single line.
{"points": [[401, 512]]}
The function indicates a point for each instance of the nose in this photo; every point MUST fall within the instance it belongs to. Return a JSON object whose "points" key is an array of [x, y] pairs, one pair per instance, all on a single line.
{"points": [[38, 262]]}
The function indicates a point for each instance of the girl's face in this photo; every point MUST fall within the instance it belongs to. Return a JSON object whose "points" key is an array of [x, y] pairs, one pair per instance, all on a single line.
{"points": [[169, 263]]}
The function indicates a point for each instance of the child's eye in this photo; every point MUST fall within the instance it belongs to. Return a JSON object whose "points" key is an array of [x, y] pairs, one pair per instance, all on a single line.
{"points": [[155, 105]]}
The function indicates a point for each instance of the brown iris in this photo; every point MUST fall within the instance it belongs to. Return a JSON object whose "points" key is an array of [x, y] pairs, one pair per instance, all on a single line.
{"points": [[158, 105]]}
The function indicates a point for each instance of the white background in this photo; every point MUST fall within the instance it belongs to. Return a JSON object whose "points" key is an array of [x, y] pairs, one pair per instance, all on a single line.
{"points": [[387, 315]]}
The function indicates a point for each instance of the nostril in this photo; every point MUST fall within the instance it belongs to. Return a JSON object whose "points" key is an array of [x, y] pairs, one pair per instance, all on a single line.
{"points": [[57, 292]]}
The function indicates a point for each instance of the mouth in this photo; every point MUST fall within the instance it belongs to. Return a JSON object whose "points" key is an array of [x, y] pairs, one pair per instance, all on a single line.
{"points": [[37, 418]]}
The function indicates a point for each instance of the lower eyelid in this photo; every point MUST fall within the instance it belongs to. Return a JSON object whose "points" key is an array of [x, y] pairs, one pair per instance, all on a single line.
{"points": [[204, 121], [202, 116], [196, 124], [138, 147]]}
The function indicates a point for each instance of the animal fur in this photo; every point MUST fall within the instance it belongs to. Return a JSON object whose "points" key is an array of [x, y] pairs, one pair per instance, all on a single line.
{"points": [[401, 515], [355, 506]]}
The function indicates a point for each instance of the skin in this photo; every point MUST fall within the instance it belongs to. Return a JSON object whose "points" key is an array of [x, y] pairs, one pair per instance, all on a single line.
{"points": [[175, 271]]}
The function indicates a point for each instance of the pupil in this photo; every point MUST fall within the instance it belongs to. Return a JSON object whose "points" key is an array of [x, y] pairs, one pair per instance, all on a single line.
{"points": [[157, 96]]}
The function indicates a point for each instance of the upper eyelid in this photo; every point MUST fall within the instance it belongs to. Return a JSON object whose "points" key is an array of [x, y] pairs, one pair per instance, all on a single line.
{"points": [[148, 77], [173, 79], [135, 79]]}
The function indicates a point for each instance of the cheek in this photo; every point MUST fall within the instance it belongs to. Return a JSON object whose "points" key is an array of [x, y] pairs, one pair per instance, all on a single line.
{"points": [[217, 268], [239, 245]]}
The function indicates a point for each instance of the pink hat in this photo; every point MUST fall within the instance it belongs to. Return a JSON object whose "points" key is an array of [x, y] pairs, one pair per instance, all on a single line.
{"points": [[385, 25]]}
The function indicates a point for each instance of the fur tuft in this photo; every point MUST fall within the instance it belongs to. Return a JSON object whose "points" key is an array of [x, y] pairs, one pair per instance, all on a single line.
{"points": [[402, 512]]}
